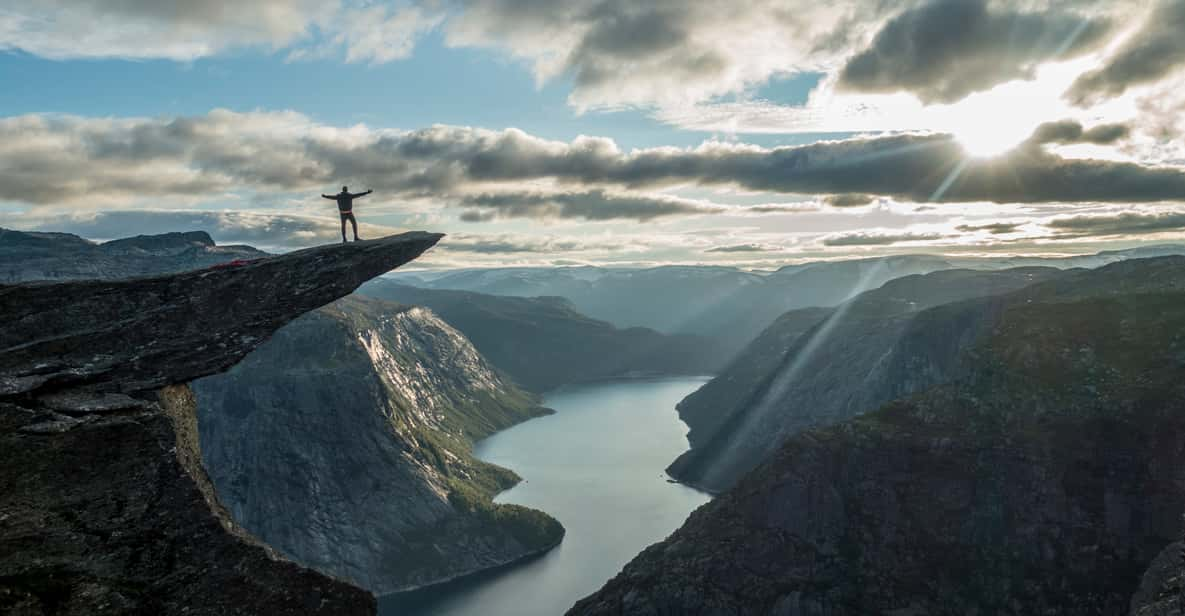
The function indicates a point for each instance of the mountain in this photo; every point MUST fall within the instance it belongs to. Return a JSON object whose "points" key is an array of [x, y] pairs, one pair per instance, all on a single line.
{"points": [[344, 442], [1044, 479], [62, 256], [727, 304], [543, 342], [106, 505], [816, 366], [418, 395]]}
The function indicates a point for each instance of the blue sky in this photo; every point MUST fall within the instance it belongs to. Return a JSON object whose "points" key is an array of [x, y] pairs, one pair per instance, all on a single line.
{"points": [[600, 131], [441, 85]]}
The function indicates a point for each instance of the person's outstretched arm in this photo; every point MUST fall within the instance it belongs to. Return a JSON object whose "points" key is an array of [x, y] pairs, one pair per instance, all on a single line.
{"points": [[329, 197], [361, 194]]}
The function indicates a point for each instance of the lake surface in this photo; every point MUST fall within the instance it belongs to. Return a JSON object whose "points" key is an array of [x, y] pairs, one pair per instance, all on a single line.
{"points": [[597, 466]]}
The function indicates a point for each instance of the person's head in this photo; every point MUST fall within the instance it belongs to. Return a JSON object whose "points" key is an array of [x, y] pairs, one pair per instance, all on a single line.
{"points": [[345, 189]]}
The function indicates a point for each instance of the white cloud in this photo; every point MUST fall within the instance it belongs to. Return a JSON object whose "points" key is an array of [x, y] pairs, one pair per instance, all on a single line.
{"points": [[96, 162], [172, 29]]}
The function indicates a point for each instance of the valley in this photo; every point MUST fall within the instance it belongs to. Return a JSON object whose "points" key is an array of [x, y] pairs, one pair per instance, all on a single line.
{"points": [[597, 466], [453, 451]]}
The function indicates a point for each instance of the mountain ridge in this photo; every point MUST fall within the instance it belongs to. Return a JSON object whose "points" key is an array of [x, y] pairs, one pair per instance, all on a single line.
{"points": [[1045, 479]]}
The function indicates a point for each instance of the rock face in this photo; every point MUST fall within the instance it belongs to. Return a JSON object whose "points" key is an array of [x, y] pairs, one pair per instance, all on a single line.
{"points": [[140, 334], [1044, 480], [62, 256], [543, 342], [344, 442], [106, 507], [819, 366]]}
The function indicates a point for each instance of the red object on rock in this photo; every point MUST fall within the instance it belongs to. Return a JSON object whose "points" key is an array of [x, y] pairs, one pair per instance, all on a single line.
{"points": [[234, 263]]}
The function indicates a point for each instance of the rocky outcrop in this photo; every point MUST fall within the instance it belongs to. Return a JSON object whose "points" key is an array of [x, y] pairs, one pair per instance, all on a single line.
{"points": [[819, 366], [1045, 480], [105, 506], [344, 442], [1162, 591], [28, 256]]}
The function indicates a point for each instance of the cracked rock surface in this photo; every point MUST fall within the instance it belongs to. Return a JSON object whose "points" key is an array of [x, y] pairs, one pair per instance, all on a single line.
{"points": [[105, 507]]}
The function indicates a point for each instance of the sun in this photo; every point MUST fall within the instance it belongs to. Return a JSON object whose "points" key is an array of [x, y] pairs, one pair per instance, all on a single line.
{"points": [[987, 139]]}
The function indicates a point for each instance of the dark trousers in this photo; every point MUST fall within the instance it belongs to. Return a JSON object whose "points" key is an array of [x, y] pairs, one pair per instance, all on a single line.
{"points": [[349, 216]]}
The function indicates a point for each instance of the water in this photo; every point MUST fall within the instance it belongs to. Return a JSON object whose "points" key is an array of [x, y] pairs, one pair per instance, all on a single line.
{"points": [[596, 466]]}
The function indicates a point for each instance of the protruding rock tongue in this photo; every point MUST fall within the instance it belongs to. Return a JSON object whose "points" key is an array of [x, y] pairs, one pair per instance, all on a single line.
{"points": [[144, 333]]}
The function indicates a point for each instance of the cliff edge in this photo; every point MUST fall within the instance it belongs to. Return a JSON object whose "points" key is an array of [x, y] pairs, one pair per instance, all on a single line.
{"points": [[104, 504]]}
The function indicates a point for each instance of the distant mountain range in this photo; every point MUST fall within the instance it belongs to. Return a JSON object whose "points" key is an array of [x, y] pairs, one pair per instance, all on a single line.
{"points": [[727, 304], [62, 256], [543, 342]]}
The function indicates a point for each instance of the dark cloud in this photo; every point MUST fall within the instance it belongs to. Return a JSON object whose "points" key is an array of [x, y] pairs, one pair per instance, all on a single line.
{"points": [[946, 49], [477, 216], [878, 239], [1153, 52], [995, 228], [511, 244], [745, 248], [57, 160], [848, 200], [1126, 223], [590, 205], [1069, 131], [623, 52], [775, 208]]}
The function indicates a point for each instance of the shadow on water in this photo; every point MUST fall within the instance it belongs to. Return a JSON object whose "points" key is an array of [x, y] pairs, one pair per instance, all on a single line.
{"points": [[426, 600], [597, 465]]}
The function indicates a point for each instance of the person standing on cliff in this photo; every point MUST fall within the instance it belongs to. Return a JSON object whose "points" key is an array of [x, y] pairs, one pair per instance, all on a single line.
{"points": [[345, 207]]}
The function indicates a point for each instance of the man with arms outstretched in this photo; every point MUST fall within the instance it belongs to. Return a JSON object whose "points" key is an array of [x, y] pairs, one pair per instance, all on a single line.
{"points": [[345, 207]]}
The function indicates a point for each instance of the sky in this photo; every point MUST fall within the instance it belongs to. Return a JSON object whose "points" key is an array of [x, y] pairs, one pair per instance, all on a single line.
{"points": [[753, 133]]}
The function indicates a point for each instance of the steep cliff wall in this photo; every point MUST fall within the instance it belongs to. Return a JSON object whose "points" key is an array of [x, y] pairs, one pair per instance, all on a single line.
{"points": [[820, 366], [344, 442], [1046, 480], [105, 507]]}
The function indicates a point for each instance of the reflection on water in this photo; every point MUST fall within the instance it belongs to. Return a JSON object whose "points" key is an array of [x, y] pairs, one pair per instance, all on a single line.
{"points": [[596, 466]]}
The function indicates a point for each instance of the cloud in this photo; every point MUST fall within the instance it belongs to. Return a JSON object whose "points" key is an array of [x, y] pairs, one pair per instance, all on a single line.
{"points": [[65, 160], [863, 238], [620, 52], [1126, 223], [588, 205], [1069, 131], [995, 228], [186, 30], [172, 29], [745, 248], [375, 34], [848, 200], [776, 208], [478, 216], [1156, 50], [512, 244], [616, 52], [946, 49]]}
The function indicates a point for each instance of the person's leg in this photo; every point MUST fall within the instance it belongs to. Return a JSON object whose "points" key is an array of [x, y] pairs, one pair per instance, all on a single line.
{"points": [[354, 223], [343, 228]]}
